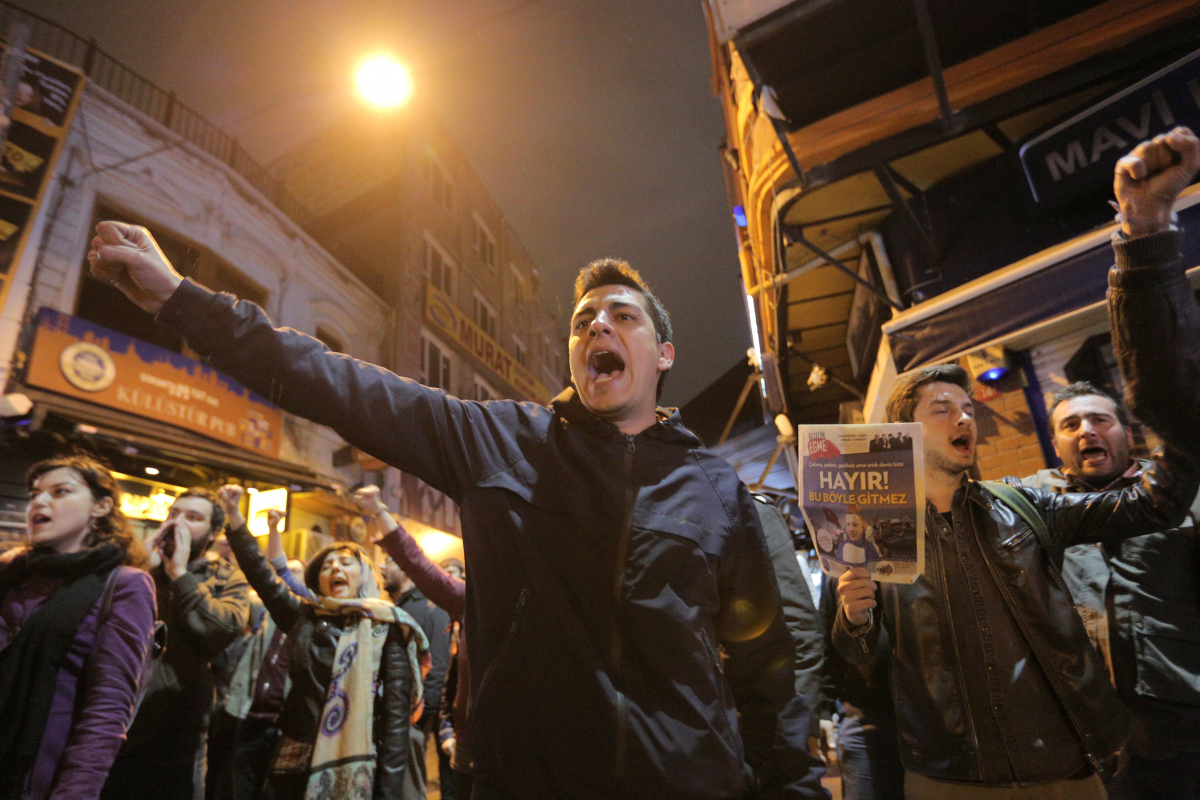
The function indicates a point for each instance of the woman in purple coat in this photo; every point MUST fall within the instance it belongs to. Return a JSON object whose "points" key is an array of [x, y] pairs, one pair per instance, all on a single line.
{"points": [[76, 624]]}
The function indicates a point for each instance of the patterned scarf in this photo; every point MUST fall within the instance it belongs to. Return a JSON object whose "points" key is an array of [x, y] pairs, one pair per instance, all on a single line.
{"points": [[343, 756]]}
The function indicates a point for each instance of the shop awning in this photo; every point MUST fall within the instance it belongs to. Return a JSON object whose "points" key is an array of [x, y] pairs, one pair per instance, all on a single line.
{"points": [[1060, 280], [175, 443]]}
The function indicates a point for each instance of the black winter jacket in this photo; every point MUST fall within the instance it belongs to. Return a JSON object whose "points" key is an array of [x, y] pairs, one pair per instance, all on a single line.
{"points": [[606, 571], [312, 643], [204, 610], [1156, 332]]}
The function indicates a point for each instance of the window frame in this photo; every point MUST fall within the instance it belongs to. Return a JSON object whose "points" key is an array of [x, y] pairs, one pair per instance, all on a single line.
{"points": [[448, 263]]}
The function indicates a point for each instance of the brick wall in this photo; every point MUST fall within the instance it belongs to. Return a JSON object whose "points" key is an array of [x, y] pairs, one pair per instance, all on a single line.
{"points": [[1008, 442]]}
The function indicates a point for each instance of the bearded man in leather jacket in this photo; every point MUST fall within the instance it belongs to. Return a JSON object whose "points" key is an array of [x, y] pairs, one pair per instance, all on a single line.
{"points": [[995, 680], [1140, 600]]}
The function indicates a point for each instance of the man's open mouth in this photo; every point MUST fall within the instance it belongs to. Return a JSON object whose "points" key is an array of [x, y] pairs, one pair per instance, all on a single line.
{"points": [[604, 365], [962, 443], [1093, 454], [39, 519]]}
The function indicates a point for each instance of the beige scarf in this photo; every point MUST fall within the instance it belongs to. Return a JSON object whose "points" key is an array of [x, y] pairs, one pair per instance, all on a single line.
{"points": [[343, 756]]}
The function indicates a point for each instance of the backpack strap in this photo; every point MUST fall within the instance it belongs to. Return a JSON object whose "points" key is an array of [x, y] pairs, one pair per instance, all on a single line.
{"points": [[1020, 505]]}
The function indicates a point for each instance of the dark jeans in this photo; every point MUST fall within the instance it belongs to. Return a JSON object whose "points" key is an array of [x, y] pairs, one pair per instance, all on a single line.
{"points": [[1176, 778], [221, 734], [869, 761], [156, 775], [253, 752]]}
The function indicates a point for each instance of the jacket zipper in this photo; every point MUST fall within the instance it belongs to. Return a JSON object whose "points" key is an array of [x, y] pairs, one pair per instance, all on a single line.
{"points": [[618, 592], [941, 557]]}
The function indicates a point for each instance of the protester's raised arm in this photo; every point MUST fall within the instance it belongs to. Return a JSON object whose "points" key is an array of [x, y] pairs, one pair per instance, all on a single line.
{"points": [[1152, 309], [448, 443]]}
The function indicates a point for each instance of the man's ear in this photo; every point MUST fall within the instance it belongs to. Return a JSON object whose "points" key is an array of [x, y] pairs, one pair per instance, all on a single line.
{"points": [[666, 356], [1129, 437], [1054, 441]]}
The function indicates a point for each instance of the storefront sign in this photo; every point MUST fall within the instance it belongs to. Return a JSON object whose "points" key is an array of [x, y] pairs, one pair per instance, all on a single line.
{"points": [[1078, 156], [78, 358], [445, 316]]}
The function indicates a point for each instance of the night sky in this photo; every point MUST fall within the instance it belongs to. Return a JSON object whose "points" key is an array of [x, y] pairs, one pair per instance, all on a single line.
{"points": [[591, 122]]}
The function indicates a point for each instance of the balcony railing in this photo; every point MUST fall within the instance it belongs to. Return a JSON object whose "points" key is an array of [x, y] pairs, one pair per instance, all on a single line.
{"points": [[153, 101]]}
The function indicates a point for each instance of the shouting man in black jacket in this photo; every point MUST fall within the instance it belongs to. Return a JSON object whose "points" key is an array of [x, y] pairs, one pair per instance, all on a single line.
{"points": [[626, 638], [996, 683]]}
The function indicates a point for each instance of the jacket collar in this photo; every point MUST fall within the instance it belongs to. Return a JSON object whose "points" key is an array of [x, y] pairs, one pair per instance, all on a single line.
{"points": [[669, 428]]}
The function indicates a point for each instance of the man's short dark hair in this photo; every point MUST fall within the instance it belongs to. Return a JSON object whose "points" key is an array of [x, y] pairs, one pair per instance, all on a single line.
{"points": [[617, 272], [902, 404], [218, 510], [1085, 389]]}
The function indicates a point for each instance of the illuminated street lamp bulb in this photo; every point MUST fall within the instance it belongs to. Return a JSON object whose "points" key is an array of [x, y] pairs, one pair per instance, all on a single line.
{"points": [[151, 470], [384, 82]]}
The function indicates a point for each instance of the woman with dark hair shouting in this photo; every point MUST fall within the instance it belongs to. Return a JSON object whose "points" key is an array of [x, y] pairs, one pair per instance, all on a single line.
{"points": [[355, 668], [76, 623]]}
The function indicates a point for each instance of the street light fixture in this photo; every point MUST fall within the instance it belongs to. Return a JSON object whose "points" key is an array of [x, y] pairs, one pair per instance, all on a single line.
{"points": [[383, 82]]}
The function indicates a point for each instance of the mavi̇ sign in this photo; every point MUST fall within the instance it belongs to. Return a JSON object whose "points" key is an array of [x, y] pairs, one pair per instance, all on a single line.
{"points": [[1078, 156]]}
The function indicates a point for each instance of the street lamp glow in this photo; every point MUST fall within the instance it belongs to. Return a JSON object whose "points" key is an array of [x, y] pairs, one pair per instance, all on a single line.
{"points": [[384, 82]]}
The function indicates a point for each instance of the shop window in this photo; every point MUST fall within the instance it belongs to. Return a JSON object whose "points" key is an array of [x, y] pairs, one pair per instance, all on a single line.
{"points": [[439, 269], [435, 364], [485, 316], [102, 303], [330, 339], [485, 244]]}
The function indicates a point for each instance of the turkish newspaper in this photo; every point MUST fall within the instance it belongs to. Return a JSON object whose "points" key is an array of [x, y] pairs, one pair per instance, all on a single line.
{"points": [[862, 491]]}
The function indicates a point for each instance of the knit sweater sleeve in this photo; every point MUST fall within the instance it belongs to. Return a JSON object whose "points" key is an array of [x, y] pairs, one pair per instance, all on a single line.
{"points": [[110, 683], [443, 589]]}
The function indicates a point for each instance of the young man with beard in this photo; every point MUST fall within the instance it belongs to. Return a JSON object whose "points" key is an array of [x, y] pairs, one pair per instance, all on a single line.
{"points": [[624, 620], [1139, 597], [998, 688], [204, 601]]}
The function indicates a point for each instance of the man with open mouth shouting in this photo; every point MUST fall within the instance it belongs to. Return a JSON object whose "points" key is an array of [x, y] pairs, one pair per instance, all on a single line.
{"points": [[1151, 638], [999, 692], [624, 623]]}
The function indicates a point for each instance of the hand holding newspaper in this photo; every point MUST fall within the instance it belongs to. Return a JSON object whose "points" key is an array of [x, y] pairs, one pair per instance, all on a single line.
{"points": [[862, 491]]}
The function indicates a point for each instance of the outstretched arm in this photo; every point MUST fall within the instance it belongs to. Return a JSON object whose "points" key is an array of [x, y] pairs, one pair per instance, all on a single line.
{"points": [[448, 443]]}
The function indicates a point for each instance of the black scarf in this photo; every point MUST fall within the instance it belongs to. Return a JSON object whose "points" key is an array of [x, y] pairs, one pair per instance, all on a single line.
{"points": [[30, 663]]}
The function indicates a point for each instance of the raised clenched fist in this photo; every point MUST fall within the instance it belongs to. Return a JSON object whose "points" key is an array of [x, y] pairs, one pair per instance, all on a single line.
{"points": [[1149, 179], [128, 257]]}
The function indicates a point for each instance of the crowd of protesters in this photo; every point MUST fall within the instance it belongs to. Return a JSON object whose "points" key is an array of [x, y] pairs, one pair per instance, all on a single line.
{"points": [[639, 624]]}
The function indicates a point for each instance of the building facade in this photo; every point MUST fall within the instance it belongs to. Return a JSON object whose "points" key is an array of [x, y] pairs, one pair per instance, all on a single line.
{"points": [[399, 204], [912, 184]]}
